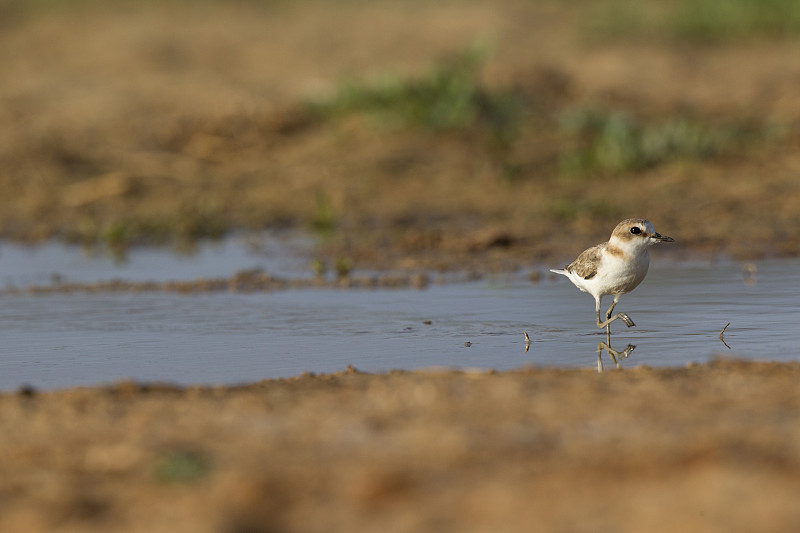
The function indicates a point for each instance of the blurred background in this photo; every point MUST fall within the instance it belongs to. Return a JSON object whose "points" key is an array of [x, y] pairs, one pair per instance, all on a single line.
{"points": [[403, 133]]}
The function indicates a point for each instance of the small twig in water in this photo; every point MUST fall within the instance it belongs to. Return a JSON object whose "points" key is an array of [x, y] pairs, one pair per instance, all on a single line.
{"points": [[722, 335]]}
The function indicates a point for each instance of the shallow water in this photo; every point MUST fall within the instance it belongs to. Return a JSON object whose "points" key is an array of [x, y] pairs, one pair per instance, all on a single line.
{"points": [[61, 340], [21, 266]]}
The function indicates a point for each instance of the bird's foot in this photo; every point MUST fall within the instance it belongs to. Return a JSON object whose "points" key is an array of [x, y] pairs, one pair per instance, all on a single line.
{"points": [[625, 318], [621, 316]]}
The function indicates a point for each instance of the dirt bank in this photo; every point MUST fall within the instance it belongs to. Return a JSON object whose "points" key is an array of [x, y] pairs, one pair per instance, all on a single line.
{"points": [[146, 123], [704, 448]]}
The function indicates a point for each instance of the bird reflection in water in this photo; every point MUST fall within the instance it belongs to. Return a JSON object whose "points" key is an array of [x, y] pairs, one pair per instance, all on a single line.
{"points": [[615, 355]]}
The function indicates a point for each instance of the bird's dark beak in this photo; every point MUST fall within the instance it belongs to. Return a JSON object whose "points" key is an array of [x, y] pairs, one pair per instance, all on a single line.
{"points": [[662, 238]]}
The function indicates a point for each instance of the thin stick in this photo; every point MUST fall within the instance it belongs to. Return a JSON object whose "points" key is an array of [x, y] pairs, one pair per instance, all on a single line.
{"points": [[722, 335]]}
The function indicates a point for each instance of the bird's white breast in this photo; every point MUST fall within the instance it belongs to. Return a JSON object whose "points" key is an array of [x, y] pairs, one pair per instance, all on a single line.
{"points": [[621, 274]]}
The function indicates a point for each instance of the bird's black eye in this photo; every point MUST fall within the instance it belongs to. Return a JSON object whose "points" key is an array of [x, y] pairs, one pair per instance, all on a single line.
{"points": [[635, 230]]}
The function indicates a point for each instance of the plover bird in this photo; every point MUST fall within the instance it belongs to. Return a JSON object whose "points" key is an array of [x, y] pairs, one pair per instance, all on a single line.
{"points": [[615, 267]]}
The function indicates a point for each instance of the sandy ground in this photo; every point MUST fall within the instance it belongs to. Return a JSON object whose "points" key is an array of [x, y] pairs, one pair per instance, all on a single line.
{"points": [[705, 448], [153, 123], [146, 123]]}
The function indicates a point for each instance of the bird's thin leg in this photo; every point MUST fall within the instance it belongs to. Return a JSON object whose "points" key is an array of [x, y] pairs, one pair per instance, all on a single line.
{"points": [[613, 305], [597, 303], [598, 300], [609, 319], [608, 324]]}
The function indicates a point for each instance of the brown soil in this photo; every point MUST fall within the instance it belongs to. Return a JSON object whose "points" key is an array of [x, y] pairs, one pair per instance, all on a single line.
{"points": [[704, 448], [149, 123]]}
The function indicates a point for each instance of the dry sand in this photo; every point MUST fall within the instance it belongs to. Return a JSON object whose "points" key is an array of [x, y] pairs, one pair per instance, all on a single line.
{"points": [[151, 122], [708, 448]]}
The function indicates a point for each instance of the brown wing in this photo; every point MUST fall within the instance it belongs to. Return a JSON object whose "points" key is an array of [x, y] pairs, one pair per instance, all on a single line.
{"points": [[585, 265]]}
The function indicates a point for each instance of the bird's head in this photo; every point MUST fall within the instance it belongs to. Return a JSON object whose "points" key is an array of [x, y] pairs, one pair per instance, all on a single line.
{"points": [[637, 233]]}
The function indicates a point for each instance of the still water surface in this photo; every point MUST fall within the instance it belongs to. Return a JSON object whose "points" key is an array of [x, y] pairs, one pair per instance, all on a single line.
{"points": [[62, 340]]}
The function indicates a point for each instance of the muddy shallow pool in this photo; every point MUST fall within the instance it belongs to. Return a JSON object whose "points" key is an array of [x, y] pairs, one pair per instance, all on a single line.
{"points": [[61, 340]]}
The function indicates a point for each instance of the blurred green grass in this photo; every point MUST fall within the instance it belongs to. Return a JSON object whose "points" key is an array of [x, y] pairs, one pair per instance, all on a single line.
{"points": [[448, 98], [522, 130], [692, 21], [589, 139], [531, 127], [600, 140]]}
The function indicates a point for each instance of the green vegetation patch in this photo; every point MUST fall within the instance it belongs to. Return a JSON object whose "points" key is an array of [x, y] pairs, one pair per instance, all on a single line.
{"points": [[696, 21], [607, 141], [187, 225], [448, 98], [182, 466], [587, 140]]}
